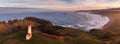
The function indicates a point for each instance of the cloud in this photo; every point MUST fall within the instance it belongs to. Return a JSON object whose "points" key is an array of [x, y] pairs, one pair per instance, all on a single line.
{"points": [[62, 4]]}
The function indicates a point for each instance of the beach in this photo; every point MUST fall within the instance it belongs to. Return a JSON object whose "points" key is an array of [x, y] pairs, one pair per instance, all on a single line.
{"points": [[114, 22]]}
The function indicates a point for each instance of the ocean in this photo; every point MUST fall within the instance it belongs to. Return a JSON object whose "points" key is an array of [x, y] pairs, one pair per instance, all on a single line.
{"points": [[80, 20]]}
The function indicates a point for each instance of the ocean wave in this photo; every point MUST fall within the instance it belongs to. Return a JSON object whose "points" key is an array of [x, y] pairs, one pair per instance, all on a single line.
{"points": [[86, 21]]}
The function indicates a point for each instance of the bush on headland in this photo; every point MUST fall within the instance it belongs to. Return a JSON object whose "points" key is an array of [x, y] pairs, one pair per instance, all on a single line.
{"points": [[19, 25]]}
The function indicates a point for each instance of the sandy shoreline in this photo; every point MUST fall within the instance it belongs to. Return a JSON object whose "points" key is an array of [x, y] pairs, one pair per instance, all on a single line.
{"points": [[109, 23], [111, 19]]}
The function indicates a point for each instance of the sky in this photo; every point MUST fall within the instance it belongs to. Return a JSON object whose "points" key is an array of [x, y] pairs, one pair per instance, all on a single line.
{"points": [[62, 4]]}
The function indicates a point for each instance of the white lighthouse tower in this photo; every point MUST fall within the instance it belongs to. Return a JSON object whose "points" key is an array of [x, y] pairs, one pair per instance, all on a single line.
{"points": [[29, 32]]}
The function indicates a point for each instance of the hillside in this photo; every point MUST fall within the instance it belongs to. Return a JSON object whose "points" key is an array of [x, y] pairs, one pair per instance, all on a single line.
{"points": [[44, 32], [112, 28]]}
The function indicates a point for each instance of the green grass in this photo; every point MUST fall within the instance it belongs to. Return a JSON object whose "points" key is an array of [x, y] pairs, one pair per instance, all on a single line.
{"points": [[36, 39], [80, 37]]}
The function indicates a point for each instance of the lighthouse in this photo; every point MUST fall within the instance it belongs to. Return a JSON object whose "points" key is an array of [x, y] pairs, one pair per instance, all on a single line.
{"points": [[29, 32]]}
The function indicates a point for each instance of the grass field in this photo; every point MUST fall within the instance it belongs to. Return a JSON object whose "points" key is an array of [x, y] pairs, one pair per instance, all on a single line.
{"points": [[19, 38]]}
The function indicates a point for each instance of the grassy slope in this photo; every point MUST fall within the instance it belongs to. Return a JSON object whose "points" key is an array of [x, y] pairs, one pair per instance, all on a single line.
{"points": [[81, 38], [76, 37], [19, 38]]}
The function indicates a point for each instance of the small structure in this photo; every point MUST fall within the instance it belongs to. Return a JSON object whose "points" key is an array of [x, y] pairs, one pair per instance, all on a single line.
{"points": [[29, 32]]}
